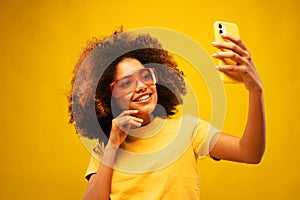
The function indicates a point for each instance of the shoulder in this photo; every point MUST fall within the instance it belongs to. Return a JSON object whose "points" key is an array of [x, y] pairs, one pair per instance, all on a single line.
{"points": [[190, 124]]}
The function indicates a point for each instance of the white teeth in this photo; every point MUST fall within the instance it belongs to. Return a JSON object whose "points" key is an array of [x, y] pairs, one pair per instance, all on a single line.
{"points": [[143, 98]]}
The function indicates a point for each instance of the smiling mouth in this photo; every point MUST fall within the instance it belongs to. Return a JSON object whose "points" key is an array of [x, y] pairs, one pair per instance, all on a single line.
{"points": [[143, 98]]}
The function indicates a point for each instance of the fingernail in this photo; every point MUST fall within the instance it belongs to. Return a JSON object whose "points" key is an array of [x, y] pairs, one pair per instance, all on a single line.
{"points": [[136, 111], [217, 67], [214, 43], [214, 55]]}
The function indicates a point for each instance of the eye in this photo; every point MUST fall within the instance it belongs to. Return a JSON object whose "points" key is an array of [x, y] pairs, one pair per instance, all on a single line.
{"points": [[147, 77], [124, 84]]}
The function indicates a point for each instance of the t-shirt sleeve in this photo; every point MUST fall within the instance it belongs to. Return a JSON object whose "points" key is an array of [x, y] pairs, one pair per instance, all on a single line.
{"points": [[96, 157], [205, 137]]}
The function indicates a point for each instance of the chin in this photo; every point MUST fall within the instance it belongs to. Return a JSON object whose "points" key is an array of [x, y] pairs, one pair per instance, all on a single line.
{"points": [[146, 109]]}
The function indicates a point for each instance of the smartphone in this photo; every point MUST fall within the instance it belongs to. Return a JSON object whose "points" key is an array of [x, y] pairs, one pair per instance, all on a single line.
{"points": [[231, 29]]}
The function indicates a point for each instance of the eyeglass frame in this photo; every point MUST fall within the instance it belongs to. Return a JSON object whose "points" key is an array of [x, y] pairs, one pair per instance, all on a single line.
{"points": [[152, 71]]}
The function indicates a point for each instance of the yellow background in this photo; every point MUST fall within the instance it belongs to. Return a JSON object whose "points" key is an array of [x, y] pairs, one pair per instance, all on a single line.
{"points": [[42, 157]]}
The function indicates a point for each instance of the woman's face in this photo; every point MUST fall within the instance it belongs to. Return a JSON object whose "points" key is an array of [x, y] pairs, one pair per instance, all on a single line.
{"points": [[142, 96]]}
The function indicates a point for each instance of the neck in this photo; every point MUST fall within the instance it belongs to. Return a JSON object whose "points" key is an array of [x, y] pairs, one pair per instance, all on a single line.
{"points": [[147, 119]]}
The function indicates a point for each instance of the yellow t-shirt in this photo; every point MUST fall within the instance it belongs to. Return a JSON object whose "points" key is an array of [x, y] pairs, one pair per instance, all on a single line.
{"points": [[159, 161]]}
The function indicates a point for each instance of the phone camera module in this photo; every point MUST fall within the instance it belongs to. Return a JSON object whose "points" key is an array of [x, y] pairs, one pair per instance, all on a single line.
{"points": [[220, 28]]}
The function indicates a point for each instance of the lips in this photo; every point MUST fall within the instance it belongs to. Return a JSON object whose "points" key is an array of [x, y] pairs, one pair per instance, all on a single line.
{"points": [[143, 97]]}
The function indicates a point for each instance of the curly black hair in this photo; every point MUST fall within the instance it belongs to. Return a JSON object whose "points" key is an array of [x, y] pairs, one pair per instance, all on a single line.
{"points": [[96, 69]]}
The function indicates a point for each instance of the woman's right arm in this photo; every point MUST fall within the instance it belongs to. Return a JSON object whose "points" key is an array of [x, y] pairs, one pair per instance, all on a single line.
{"points": [[100, 183]]}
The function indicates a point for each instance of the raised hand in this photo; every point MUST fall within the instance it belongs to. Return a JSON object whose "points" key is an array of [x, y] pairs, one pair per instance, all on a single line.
{"points": [[242, 56], [121, 126]]}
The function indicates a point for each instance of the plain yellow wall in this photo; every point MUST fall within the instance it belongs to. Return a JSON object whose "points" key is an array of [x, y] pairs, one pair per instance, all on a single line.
{"points": [[42, 157]]}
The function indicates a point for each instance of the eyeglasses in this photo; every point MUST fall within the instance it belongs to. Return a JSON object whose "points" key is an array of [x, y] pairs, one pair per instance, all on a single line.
{"points": [[128, 83]]}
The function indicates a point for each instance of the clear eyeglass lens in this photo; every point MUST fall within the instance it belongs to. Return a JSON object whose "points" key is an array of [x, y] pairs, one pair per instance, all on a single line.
{"points": [[128, 83]]}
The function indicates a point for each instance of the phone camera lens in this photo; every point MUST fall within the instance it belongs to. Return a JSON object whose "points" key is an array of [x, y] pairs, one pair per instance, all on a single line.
{"points": [[220, 31], [220, 25]]}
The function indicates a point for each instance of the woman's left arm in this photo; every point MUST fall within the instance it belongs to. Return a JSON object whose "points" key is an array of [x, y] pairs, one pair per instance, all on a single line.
{"points": [[251, 146]]}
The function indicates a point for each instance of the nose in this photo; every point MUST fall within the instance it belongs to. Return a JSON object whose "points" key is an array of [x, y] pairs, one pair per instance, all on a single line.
{"points": [[140, 86]]}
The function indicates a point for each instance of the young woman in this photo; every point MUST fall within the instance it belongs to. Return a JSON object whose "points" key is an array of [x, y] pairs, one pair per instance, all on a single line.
{"points": [[151, 153]]}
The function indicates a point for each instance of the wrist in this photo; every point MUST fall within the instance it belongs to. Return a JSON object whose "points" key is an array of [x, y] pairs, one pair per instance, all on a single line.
{"points": [[111, 146], [109, 154], [256, 92]]}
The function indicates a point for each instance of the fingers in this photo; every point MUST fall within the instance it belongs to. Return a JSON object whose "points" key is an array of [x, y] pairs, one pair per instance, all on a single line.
{"points": [[236, 50], [233, 44], [232, 55], [233, 68], [129, 120], [235, 40], [128, 112], [122, 124], [125, 121], [230, 46]]}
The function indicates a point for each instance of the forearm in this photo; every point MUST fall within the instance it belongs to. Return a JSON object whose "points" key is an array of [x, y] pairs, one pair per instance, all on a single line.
{"points": [[100, 183], [252, 143]]}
